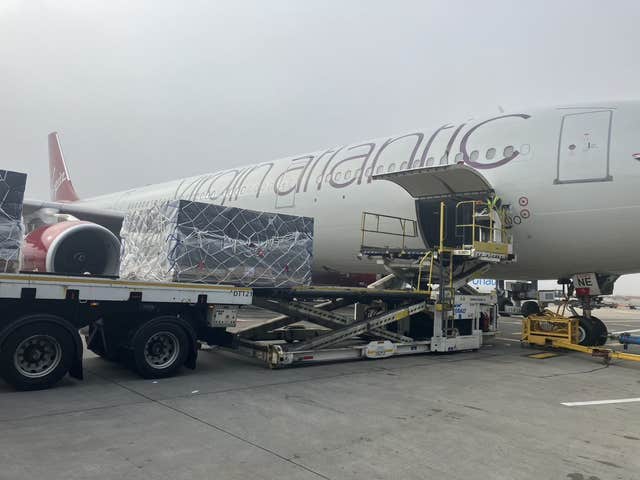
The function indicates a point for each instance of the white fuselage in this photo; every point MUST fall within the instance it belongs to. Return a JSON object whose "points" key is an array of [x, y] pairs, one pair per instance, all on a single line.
{"points": [[568, 173]]}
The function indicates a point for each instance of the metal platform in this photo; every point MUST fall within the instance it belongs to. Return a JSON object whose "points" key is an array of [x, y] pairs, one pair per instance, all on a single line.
{"points": [[372, 331]]}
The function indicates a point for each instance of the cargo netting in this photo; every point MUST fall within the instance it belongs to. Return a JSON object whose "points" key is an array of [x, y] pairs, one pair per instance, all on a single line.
{"points": [[12, 185], [186, 241]]}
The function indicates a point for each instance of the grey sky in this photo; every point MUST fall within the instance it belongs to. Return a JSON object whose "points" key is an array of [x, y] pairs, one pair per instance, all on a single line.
{"points": [[145, 91]]}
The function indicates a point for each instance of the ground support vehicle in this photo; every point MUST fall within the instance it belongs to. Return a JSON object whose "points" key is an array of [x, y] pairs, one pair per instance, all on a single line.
{"points": [[381, 323], [154, 327], [553, 329]]}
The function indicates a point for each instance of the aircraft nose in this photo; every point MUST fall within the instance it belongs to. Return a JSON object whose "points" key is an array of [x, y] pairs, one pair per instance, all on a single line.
{"points": [[636, 156]]}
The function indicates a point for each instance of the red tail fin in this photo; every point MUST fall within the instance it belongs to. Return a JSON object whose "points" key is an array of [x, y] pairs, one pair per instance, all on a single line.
{"points": [[61, 187]]}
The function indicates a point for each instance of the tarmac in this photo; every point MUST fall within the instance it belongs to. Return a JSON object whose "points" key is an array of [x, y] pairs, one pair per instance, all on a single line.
{"points": [[492, 414]]}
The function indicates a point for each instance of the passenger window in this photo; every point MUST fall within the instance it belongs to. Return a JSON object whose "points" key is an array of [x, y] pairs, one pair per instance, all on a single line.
{"points": [[491, 153], [380, 169], [337, 176], [508, 151], [392, 167], [525, 149], [403, 166], [443, 160], [420, 163], [458, 157], [430, 161], [347, 175], [474, 155]]}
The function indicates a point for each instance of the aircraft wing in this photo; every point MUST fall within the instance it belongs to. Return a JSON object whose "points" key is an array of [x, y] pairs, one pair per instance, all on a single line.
{"points": [[111, 219]]}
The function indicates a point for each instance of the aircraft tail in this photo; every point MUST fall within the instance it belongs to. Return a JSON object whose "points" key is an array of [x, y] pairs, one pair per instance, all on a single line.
{"points": [[60, 183]]}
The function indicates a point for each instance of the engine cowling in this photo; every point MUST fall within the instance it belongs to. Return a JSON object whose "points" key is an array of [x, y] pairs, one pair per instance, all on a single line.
{"points": [[72, 247]]}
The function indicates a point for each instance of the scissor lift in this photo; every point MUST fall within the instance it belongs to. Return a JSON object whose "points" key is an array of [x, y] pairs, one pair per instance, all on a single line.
{"points": [[423, 312]]}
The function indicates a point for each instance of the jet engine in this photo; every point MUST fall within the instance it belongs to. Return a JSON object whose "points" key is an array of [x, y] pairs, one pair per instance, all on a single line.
{"points": [[72, 247]]}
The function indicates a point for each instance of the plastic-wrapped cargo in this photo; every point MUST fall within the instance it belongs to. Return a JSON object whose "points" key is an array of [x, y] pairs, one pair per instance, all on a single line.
{"points": [[186, 241], [12, 185]]}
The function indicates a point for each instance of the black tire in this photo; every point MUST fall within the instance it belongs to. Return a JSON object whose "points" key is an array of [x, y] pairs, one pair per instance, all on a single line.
{"points": [[530, 308], [601, 334], [36, 356], [588, 332], [160, 348]]}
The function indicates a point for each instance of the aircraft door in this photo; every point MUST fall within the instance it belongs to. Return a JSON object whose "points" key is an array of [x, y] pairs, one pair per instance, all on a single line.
{"points": [[583, 148]]}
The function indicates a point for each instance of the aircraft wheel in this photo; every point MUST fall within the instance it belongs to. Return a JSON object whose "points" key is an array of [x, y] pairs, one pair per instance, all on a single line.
{"points": [[587, 331], [602, 334]]}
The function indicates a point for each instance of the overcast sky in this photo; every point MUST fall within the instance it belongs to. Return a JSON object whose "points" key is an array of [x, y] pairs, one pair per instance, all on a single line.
{"points": [[146, 91]]}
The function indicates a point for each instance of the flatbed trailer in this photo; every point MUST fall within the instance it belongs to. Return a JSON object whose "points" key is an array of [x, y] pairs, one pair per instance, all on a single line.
{"points": [[154, 327]]}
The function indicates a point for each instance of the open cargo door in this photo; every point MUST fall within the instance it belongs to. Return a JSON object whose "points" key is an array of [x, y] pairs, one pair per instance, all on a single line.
{"points": [[430, 185], [440, 182]]}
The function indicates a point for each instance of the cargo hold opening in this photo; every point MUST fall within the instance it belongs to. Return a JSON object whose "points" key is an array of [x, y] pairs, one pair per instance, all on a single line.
{"points": [[430, 186]]}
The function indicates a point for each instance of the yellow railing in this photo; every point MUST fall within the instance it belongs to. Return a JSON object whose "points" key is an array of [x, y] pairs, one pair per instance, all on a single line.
{"points": [[550, 325], [408, 227], [482, 234], [429, 255]]}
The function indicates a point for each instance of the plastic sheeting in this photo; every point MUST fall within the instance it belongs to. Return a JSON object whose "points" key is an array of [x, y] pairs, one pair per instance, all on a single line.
{"points": [[188, 241], [12, 185]]}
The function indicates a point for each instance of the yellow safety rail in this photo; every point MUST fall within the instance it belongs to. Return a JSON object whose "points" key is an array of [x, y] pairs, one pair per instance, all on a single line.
{"points": [[490, 238], [429, 255], [407, 227]]}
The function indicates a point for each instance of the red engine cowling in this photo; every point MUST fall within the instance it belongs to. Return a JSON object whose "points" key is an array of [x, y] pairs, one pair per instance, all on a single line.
{"points": [[72, 247]]}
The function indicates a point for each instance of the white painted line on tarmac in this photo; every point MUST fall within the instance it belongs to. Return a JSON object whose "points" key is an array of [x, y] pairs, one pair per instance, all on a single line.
{"points": [[508, 339], [601, 402], [625, 331]]}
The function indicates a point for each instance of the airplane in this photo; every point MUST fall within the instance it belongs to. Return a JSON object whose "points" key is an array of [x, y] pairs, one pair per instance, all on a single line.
{"points": [[569, 174]]}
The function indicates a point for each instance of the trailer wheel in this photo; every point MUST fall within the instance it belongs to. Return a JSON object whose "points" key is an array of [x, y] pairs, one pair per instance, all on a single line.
{"points": [[36, 356], [160, 348], [530, 308]]}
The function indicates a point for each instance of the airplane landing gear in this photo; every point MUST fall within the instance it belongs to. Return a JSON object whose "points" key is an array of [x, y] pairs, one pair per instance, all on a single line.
{"points": [[592, 331]]}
